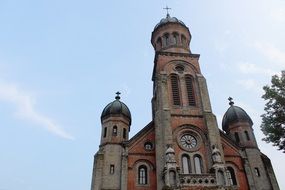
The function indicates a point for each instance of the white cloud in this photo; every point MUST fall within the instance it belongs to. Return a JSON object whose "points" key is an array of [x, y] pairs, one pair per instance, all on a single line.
{"points": [[250, 68], [251, 84], [25, 109], [272, 53], [277, 14]]}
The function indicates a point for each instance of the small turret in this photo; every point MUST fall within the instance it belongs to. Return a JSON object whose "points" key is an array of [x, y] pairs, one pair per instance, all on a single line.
{"points": [[116, 120], [238, 125], [110, 162]]}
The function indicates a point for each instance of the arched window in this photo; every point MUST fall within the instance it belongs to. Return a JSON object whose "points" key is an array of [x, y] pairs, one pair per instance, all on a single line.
{"points": [[198, 164], [115, 130], [237, 137], [175, 38], [165, 40], [175, 90], [105, 132], [158, 43], [186, 164], [172, 178], [183, 40], [142, 175], [221, 178], [231, 176], [190, 90], [247, 135], [124, 133]]}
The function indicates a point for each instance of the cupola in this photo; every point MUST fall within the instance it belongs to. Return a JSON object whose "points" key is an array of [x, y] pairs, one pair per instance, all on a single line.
{"points": [[116, 109], [238, 125], [233, 115], [116, 121], [171, 35]]}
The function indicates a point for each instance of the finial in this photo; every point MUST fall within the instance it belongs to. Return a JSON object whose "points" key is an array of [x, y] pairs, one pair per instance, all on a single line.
{"points": [[118, 95], [231, 101], [167, 8]]}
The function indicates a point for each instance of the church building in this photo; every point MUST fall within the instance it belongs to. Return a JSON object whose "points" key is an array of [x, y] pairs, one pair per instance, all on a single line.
{"points": [[181, 148]]}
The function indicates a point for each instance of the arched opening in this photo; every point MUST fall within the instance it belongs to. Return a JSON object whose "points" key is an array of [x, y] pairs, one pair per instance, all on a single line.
{"points": [[186, 164], [198, 164], [124, 133], [231, 176], [115, 130], [175, 38], [142, 175], [183, 40], [175, 89], [247, 135], [167, 39], [158, 43], [105, 132], [237, 137]]}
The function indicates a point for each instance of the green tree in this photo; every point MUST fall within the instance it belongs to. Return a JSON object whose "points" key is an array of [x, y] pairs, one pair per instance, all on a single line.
{"points": [[273, 121]]}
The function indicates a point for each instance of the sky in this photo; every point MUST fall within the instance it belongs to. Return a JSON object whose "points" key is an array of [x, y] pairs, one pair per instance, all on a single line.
{"points": [[61, 63]]}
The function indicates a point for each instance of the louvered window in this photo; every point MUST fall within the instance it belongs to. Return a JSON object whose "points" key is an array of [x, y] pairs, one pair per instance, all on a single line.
{"points": [[175, 90], [190, 90]]}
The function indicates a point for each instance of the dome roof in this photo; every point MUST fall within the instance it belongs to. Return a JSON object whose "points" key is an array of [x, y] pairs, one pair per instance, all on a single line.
{"points": [[235, 114], [169, 19], [116, 108]]}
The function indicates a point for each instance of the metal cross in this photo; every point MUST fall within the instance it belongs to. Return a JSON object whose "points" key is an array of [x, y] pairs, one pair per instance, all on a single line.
{"points": [[167, 8], [118, 95], [231, 100]]}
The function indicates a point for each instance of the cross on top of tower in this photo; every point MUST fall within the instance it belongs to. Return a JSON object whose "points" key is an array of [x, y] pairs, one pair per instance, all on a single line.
{"points": [[231, 101], [167, 8], [118, 95]]}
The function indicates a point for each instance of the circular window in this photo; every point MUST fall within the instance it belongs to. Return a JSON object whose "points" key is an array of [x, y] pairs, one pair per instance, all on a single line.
{"points": [[148, 146]]}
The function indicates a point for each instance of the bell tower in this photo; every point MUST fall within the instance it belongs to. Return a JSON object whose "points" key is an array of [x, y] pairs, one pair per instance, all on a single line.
{"points": [[183, 117]]}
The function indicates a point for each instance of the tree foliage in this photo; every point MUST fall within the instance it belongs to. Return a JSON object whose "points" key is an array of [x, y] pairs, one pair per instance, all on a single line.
{"points": [[273, 121]]}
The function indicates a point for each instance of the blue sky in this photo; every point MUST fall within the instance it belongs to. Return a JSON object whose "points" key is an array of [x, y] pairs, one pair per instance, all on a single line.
{"points": [[61, 63]]}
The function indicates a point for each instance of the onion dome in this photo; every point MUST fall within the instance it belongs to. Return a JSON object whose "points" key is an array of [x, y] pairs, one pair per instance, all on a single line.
{"points": [[169, 19], [116, 108], [233, 115]]}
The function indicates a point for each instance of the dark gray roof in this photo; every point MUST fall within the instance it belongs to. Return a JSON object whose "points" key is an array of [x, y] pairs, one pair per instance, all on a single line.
{"points": [[116, 108], [169, 19], [235, 114]]}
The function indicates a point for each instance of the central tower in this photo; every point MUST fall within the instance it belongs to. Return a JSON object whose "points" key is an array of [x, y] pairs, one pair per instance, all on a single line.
{"points": [[183, 117]]}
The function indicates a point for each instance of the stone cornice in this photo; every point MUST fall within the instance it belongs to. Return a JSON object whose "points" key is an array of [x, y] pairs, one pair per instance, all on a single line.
{"points": [[176, 54]]}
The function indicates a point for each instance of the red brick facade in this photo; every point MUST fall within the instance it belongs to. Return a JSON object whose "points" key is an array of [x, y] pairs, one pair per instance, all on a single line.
{"points": [[182, 147]]}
